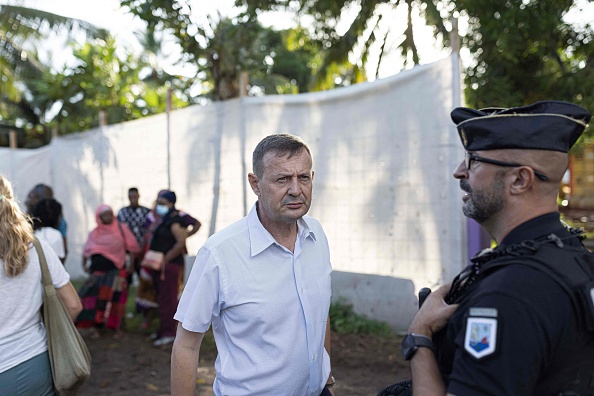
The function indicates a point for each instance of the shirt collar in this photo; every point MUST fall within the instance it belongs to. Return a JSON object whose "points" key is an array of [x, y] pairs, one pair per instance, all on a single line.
{"points": [[535, 228], [261, 239]]}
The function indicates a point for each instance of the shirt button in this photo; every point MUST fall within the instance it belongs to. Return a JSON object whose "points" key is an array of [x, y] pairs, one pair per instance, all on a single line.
{"points": [[314, 357]]}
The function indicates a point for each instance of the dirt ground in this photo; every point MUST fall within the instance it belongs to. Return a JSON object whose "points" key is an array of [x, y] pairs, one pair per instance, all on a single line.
{"points": [[362, 365]]}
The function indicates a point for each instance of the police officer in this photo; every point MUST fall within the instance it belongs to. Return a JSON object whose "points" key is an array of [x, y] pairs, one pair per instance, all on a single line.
{"points": [[520, 319]]}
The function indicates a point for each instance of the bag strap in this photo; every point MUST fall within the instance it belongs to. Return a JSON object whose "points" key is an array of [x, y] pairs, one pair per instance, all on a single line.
{"points": [[48, 286]]}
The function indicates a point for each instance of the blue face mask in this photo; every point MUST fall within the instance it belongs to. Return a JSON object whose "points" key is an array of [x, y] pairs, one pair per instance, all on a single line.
{"points": [[162, 210]]}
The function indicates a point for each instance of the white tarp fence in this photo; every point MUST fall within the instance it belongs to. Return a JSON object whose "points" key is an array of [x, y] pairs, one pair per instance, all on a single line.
{"points": [[383, 152]]}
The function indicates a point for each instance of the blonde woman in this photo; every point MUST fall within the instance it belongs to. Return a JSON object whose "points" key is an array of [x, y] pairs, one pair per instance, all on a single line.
{"points": [[24, 366]]}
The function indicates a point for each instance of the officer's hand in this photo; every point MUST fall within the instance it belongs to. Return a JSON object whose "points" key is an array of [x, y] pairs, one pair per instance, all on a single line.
{"points": [[434, 314]]}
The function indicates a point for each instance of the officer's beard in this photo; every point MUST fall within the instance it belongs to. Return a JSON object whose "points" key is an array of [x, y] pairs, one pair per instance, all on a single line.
{"points": [[482, 205]]}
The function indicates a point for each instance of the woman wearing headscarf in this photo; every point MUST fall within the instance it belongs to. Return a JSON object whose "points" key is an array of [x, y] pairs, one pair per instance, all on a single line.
{"points": [[24, 363], [104, 294], [169, 237]]}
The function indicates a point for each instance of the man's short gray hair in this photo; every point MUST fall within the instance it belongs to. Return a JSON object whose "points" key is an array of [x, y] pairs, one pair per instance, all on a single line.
{"points": [[280, 144]]}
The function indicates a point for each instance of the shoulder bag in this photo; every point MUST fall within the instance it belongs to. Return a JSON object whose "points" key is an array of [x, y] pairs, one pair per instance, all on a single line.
{"points": [[69, 357], [153, 259]]}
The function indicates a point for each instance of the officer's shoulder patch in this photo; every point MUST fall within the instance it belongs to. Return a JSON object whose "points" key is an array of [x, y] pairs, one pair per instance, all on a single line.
{"points": [[481, 332]]}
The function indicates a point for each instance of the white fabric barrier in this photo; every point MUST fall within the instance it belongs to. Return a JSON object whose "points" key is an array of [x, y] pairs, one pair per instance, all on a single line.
{"points": [[383, 152]]}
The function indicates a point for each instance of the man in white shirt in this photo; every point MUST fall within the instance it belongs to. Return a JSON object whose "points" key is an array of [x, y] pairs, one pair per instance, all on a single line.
{"points": [[264, 285]]}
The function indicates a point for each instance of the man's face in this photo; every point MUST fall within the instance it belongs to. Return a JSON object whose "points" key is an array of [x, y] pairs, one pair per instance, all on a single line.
{"points": [[133, 197], [284, 191], [484, 187]]}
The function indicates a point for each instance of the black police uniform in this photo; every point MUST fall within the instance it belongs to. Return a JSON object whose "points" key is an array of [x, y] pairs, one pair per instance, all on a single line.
{"points": [[520, 329]]}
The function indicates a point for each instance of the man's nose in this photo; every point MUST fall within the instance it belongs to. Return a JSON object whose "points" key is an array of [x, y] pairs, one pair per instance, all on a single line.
{"points": [[294, 187], [461, 172]]}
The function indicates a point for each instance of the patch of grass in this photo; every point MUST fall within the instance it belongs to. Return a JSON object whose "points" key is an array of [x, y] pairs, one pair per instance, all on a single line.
{"points": [[344, 320]]}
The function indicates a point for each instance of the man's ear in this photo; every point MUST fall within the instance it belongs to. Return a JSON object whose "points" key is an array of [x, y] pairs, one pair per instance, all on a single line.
{"points": [[523, 179], [253, 179]]}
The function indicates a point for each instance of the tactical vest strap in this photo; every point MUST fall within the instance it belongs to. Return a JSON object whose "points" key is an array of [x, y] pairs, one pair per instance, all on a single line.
{"points": [[572, 269]]}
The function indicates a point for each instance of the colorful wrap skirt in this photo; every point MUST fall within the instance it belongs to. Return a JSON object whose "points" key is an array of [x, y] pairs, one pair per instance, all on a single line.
{"points": [[103, 298]]}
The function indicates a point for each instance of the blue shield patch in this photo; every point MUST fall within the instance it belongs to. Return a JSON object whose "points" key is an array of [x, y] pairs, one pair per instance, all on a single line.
{"points": [[481, 336]]}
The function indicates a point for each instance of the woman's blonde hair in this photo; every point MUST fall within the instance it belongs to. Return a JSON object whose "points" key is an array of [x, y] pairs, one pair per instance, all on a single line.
{"points": [[16, 232]]}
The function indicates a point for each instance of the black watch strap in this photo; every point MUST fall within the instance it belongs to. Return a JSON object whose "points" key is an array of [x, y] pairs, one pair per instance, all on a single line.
{"points": [[412, 342]]}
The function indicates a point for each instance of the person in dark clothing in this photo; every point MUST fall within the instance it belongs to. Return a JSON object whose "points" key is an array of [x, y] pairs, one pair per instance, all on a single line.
{"points": [[42, 191], [169, 238], [134, 216], [46, 217], [520, 319]]}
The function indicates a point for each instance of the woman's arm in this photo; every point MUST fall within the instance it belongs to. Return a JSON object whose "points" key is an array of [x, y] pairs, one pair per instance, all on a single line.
{"points": [[180, 235], [70, 299], [189, 221]]}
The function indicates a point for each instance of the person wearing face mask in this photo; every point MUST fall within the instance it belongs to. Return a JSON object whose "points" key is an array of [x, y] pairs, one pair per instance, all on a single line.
{"points": [[146, 298], [168, 237], [104, 294]]}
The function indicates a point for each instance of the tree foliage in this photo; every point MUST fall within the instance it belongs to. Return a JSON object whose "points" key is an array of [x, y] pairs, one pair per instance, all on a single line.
{"points": [[21, 71], [521, 51], [222, 48], [525, 52], [38, 97], [348, 51], [104, 81]]}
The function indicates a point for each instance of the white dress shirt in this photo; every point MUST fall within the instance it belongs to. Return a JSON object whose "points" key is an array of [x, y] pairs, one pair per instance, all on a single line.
{"points": [[268, 308]]}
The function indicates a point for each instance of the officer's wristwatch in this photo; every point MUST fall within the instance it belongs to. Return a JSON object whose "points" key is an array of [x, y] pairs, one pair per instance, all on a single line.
{"points": [[412, 342]]}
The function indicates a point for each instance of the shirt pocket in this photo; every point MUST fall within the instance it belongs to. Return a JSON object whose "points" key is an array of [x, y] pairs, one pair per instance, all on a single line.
{"points": [[325, 291]]}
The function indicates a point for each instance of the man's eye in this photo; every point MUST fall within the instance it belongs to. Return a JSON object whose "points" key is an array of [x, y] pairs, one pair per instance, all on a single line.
{"points": [[305, 178], [281, 179]]}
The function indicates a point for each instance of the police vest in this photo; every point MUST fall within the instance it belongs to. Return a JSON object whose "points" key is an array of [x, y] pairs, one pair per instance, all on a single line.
{"points": [[571, 267]]}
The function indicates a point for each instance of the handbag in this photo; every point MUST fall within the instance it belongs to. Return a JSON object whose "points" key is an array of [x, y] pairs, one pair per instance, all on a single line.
{"points": [[70, 359], [153, 259]]}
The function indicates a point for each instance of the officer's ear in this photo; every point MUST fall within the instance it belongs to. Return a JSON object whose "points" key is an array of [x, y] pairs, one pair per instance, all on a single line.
{"points": [[522, 179]]}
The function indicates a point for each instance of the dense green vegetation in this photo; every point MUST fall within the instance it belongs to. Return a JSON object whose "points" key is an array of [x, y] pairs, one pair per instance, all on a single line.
{"points": [[520, 52]]}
